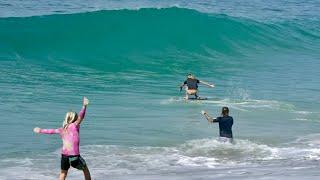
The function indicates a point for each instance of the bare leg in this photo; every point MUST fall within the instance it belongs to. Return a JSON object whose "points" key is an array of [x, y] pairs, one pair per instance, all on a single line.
{"points": [[63, 174], [86, 173], [187, 95]]}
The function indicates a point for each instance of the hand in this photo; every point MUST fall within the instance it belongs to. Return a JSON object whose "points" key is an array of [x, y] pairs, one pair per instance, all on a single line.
{"points": [[85, 101], [203, 112], [36, 130]]}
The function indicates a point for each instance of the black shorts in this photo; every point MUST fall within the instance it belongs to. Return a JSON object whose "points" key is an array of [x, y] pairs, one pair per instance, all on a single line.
{"points": [[75, 161]]}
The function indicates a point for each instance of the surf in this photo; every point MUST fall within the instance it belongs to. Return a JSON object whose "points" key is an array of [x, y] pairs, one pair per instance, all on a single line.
{"points": [[121, 39]]}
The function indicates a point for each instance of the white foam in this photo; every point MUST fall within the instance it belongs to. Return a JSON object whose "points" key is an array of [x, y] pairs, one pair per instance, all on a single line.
{"points": [[303, 112], [239, 104], [120, 160]]}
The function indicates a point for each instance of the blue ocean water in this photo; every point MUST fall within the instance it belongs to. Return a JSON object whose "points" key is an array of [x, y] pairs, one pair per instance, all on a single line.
{"points": [[129, 57]]}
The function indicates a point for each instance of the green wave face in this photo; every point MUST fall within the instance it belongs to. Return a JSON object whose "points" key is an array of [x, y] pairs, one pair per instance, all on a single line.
{"points": [[120, 37]]}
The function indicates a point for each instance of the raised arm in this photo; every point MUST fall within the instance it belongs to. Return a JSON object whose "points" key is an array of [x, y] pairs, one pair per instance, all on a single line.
{"points": [[207, 84], [82, 112], [209, 118], [47, 131]]}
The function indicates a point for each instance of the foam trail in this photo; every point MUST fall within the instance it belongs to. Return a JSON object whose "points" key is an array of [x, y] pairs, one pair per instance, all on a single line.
{"points": [[194, 154]]}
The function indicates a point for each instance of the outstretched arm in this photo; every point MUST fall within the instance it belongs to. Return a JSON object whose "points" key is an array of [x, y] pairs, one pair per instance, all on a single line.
{"points": [[82, 113], [47, 131], [182, 85], [207, 84], [209, 118]]}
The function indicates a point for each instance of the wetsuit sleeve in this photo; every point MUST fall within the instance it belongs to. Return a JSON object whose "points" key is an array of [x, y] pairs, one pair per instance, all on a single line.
{"points": [[217, 119], [185, 82], [198, 81], [50, 131]]}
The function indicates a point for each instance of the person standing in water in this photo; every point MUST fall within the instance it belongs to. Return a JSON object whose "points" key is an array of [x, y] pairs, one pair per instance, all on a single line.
{"points": [[225, 124], [69, 133], [192, 86]]}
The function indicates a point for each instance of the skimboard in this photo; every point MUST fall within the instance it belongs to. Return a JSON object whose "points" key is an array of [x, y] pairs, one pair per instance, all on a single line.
{"points": [[195, 99]]}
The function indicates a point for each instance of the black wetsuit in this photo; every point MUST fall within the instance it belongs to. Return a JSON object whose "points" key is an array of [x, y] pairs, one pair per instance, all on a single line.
{"points": [[225, 126], [192, 83]]}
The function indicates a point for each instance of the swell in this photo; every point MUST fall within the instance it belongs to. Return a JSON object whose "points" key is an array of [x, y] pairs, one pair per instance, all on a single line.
{"points": [[121, 37]]}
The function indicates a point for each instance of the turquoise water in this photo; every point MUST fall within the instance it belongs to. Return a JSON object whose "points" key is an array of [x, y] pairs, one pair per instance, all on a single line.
{"points": [[129, 58]]}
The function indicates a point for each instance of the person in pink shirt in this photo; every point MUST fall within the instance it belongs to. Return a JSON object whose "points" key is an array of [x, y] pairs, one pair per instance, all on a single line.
{"points": [[69, 132]]}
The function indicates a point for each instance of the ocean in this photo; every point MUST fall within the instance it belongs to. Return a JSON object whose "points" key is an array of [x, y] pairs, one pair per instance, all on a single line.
{"points": [[129, 57]]}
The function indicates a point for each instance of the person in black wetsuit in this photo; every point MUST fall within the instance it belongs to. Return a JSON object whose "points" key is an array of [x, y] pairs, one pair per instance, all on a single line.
{"points": [[225, 124], [192, 86]]}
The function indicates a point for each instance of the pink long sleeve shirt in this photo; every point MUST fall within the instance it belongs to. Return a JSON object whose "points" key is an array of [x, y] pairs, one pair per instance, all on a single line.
{"points": [[70, 136]]}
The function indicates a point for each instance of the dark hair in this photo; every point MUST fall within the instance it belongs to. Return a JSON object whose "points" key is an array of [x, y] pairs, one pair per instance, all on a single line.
{"points": [[225, 111]]}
